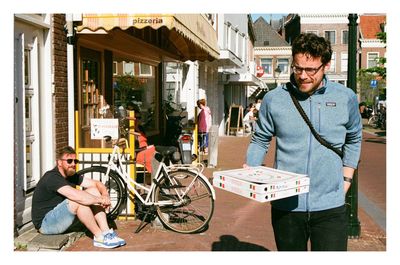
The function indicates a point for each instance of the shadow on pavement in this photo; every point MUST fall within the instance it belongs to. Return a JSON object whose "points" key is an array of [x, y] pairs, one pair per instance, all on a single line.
{"points": [[376, 140], [231, 243], [383, 133]]}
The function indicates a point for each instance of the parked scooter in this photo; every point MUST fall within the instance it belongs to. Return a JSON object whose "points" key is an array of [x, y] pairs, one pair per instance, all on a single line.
{"points": [[176, 136], [185, 142]]}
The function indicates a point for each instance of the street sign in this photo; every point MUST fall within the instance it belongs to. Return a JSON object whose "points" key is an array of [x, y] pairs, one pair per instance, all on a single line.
{"points": [[260, 71], [373, 83]]}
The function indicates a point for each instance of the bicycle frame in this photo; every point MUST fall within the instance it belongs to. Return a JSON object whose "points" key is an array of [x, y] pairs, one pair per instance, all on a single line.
{"points": [[115, 164]]}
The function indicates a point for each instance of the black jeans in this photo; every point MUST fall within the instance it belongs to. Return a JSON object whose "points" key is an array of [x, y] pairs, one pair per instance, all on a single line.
{"points": [[326, 230]]}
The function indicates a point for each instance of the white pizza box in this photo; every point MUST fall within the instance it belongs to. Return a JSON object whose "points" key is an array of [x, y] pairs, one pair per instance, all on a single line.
{"points": [[264, 188], [262, 179], [261, 197]]}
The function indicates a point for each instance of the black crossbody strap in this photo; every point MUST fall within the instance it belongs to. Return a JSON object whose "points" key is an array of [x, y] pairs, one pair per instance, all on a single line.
{"points": [[308, 122]]}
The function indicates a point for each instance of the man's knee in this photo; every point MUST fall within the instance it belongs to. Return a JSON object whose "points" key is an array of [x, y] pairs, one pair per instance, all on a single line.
{"points": [[73, 206]]}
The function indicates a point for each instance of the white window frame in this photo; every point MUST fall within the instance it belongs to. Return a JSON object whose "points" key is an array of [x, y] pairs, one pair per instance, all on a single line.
{"points": [[125, 65], [240, 40], [234, 40], [332, 67], [370, 59], [227, 35], [30, 99], [245, 58], [335, 36], [342, 38], [145, 74], [283, 71], [316, 32], [344, 63], [115, 68], [271, 70]]}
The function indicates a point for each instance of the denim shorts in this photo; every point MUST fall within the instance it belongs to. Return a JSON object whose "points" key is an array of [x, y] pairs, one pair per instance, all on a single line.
{"points": [[58, 220]]}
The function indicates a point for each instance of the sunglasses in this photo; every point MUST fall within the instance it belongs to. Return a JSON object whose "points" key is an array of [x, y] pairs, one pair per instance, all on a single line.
{"points": [[70, 160]]}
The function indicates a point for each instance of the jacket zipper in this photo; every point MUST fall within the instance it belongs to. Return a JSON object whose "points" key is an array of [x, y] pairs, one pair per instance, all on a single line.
{"points": [[319, 117], [309, 156]]}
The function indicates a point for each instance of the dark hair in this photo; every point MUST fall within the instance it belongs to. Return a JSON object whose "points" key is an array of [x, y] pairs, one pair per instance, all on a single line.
{"points": [[65, 150], [312, 45]]}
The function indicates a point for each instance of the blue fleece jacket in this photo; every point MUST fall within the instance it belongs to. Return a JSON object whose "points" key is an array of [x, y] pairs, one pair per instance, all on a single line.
{"points": [[333, 111]]}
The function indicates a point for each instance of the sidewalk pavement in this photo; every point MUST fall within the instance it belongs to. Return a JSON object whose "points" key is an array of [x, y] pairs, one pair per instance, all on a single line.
{"points": [[238, 223]]}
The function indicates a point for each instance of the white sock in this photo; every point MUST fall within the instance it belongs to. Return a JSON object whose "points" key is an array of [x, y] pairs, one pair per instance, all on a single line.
{"points": [[107, 231], [99, 238]]}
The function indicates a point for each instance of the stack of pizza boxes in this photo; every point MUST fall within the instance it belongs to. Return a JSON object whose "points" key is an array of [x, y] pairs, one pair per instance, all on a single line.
{"points": [[261, 184]]}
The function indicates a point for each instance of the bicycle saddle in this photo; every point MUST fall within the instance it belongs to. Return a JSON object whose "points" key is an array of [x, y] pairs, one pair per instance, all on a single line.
{"points": [[166, 150]]}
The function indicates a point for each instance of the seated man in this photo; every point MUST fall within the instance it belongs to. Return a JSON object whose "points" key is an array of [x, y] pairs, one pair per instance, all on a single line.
{"points": [[57, 202]]}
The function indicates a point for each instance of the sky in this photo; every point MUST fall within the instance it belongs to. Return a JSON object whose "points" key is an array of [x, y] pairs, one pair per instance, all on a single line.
{"points": [[267, 17]]}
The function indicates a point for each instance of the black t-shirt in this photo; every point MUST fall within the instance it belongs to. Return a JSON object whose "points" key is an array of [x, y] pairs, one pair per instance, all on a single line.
{"points": [[46, 197]]}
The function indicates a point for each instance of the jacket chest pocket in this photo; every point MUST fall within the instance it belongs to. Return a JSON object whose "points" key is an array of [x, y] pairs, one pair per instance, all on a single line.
{"points": [[330, 116]]}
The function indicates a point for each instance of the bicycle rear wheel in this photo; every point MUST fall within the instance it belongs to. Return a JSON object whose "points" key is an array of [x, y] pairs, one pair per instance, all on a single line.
{"points": [[115, 186], [192, 213], [373, 121]]}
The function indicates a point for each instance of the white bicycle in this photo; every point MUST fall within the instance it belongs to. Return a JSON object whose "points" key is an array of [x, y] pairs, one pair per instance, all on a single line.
{"points": [[180, 195]]}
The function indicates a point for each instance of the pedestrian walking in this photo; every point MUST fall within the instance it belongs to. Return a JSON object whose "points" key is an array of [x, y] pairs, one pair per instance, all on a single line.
{"points": [[332, 109], [204, 122], [58, 202]]}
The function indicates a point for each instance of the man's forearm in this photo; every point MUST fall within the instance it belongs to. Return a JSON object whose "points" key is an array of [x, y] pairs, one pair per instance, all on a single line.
{"points": [[348, 173]]}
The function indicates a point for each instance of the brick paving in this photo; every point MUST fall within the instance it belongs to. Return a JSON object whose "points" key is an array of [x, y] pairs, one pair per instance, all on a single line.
{"points": [[240, 224]]}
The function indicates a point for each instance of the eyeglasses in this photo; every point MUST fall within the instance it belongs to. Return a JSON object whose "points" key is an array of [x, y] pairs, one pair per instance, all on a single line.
{"points": [[309, 71], [70, 160]]}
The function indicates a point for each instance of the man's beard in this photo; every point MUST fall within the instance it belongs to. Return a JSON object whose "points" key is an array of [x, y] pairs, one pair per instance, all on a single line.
{"points": [[70, 172]]}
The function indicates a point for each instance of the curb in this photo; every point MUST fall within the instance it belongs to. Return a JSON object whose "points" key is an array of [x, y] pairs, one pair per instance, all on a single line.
{"points": [[34, 241]]}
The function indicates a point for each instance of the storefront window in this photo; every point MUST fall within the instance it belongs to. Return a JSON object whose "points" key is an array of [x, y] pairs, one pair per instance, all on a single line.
{"points": [[91, 94], [128, 85], [175, 76], [136, 90]]}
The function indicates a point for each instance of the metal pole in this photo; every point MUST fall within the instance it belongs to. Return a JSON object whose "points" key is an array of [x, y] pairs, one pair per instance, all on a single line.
{"points": [[354, 227]]}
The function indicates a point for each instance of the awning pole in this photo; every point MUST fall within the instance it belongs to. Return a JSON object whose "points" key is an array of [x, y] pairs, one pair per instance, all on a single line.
{"points": [[70, 79]]}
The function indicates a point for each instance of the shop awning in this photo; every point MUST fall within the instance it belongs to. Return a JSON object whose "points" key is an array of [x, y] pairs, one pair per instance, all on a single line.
{"points": [[246, 79], [191, 34]]}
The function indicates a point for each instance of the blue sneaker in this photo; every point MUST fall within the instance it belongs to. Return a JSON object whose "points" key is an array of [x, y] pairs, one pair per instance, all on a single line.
{"points": [[118, 239], [108, 241]]}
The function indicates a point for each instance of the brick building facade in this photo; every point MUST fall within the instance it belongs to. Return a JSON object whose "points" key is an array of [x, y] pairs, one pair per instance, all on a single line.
{"points": [[41, 109], [59, 62]]}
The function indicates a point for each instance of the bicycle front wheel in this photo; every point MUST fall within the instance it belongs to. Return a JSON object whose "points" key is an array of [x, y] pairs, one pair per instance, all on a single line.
{"points": [[184, 202], [115, 186]]}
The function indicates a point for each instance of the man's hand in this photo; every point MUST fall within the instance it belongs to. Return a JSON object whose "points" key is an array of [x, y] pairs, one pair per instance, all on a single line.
{"points": [[105, 201], [245, 165]]}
